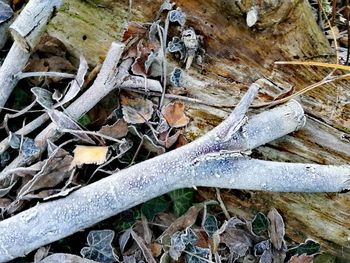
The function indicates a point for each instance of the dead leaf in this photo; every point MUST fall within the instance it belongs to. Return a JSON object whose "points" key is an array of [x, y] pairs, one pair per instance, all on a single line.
{"points": [[147, 233], [167, 141], [301, 259], [186, 220], [49, 46], [136, 110], [145, 250], [63, 121], [117, 130], [286, 93], [89, 155], [156, 249], [175, 115], [41, 253], [76, 84], [61, 257], [134, 30], [138, 67], [147, 141], [237, 240], [54, 171], [276, 229]]}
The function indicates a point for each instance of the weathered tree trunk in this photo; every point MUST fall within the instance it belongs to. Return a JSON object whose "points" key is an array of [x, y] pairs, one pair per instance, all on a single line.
{"points": [[235, 55]]}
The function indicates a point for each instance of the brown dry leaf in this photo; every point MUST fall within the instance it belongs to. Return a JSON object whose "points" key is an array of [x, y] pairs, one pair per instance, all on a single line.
{"points": [[136, 110], [117, 130], [174, 113], [186, 220], [156, 249], [36, 65], [89, 155], [138, 67], [301, 259], [145, 250], [54, 171], [181, 141], [168, 141], [134, 30], [276, 228], [285, 94], [237, 240], [50, 46]]}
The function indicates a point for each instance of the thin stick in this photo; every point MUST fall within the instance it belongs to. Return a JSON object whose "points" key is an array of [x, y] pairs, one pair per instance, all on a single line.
{"points": [[51, 74]]}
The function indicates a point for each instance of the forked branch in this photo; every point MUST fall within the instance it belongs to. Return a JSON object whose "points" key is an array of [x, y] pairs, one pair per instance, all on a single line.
{"points": [[217, 159]]}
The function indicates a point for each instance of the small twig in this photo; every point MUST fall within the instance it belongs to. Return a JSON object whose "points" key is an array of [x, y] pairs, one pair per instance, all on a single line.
{"points": [[51, 74], [94, 133], [221, 203], [162, 38]]}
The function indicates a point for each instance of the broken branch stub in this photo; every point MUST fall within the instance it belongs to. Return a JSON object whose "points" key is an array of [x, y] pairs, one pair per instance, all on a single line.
{"points": [[31, 22], [204, 162], [26, 31]]}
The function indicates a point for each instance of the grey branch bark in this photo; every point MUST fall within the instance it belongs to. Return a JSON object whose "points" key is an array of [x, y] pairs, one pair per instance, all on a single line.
{"points": [[31, 22], [26, 31], [217, 159]]}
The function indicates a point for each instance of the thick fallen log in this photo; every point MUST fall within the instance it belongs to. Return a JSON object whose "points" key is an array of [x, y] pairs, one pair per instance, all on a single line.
{"points": [[217, 160]]}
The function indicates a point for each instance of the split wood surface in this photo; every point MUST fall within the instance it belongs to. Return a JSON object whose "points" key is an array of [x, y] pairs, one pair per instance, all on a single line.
{"points": [[316, 131]]}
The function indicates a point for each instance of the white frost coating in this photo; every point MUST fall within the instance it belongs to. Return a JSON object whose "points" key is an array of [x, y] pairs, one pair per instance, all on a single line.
{"points": [[272, 176], [26, 30], [31, 22], [205, 161], [252, 16], [104, 84], [14, 62]]}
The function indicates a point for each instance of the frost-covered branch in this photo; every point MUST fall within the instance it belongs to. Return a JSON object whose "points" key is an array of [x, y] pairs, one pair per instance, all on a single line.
{"points": [[26, 31], [217, 159], [31, 22]]}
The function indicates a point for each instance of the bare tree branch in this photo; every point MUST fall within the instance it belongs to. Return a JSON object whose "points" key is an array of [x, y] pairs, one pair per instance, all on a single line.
{"points": [[26, 31], [208, 161]]}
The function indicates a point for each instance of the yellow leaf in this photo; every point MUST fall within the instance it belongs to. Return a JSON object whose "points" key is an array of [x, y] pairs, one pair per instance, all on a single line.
{"points": [[89, 155]]}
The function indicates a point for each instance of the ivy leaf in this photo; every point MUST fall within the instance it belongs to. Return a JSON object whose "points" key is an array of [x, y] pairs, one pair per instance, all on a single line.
{"points": [[310, 247], [177, 16], [198, 254], [154, 206], [180, 240], [176, 77], [166, 6], [14, 140], [260, 224], [210, 225], [43, 97], [29, 148], [182, 200], [6, 12], [100, 246], [177, 45], [4, 158]]}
